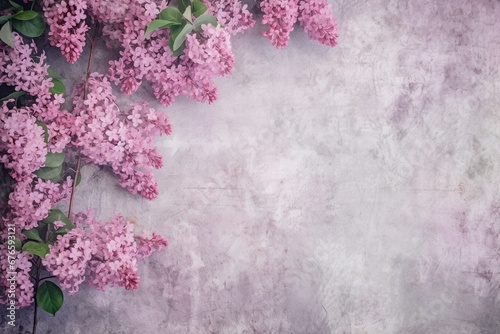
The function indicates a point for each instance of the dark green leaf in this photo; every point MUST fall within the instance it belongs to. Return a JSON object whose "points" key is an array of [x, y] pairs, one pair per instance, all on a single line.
{"points": [[14, 95], [58, 87], [31, 28], [54, 159], [18, 244], [54, 74], [25, 15], [16, 5], [36, 248], [199, 8], [183, 4], [55, 215], [171, 14], [158, 24], [181, 37], [49, 297], [33, 234], [205, 19], [4, 18], [48, 173], [6, 35], [46, 131], [78, 179]]}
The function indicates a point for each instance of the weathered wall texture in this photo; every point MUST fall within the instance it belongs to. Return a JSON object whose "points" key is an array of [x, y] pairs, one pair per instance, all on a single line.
{"points": [[346, 190]]}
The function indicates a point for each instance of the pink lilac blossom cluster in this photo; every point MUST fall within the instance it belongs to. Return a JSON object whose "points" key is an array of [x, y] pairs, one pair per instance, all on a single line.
{"points": [[24, 287], [19, 69], [314, 15], [151, 58], [105, 252], [232, 15], [22, 145], [280, 16], [67, 28], [122, 140]]}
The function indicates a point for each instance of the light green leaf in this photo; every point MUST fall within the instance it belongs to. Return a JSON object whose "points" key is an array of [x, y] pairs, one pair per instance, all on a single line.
{"points": [[45, 129], [78, 179], [25, 15], [158, 24], [199, 8], [48, 173], [205, 19], [14, 95], [181, 37], [4, 18], [18, 244], [31, 28], [58, 88], [54, 159], [6, 35], [36, 248], [171, 14], [32, 234], [187, 14], [49, 297]]}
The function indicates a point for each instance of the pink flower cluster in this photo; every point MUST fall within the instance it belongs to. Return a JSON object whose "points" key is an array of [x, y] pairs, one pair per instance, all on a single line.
{"points": [[66, 20], [314, 15], [231, 14], [122, 140], [31, 200], [105, 252], [22, 146], [19, 70], [318, 22], [23, 286], [281, 16]]}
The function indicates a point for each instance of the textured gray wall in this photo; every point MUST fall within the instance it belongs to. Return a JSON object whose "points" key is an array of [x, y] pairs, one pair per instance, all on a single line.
{"points": [[346, 190]]}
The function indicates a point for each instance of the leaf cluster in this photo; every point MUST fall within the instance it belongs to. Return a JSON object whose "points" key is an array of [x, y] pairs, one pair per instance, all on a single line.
{"points": [[27, 22], [186, 18]]}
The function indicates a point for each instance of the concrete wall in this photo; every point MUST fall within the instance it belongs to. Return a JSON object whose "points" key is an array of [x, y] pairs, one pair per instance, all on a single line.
{"points": [[346, 190]]}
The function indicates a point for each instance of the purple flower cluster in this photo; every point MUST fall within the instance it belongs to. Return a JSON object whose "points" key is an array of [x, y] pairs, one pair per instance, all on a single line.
{"points": [[281, 16], [23, 286], [232, 15], [317, 20], [122, 140]]}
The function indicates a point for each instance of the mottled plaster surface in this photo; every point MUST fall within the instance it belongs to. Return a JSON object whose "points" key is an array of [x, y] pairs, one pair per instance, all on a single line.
{"points": [[346, 190]]}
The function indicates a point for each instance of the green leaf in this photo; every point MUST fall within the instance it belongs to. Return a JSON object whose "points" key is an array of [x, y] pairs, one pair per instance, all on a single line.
{"points": [[14, 95], [36, 248], [58, 87], [177, 52], [4, 18], [6, 34], [205, 19], [78, 179], [54, 74], [158, 24], [183, 4], [171, 14], [181, 37], [25, 15], [18, 244], [187, 14], [199, 8], [31, 28], [49, 297], [45, 129], [32, 234], [16, 5], [55, 215], [48, 173], [54, 159]]}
